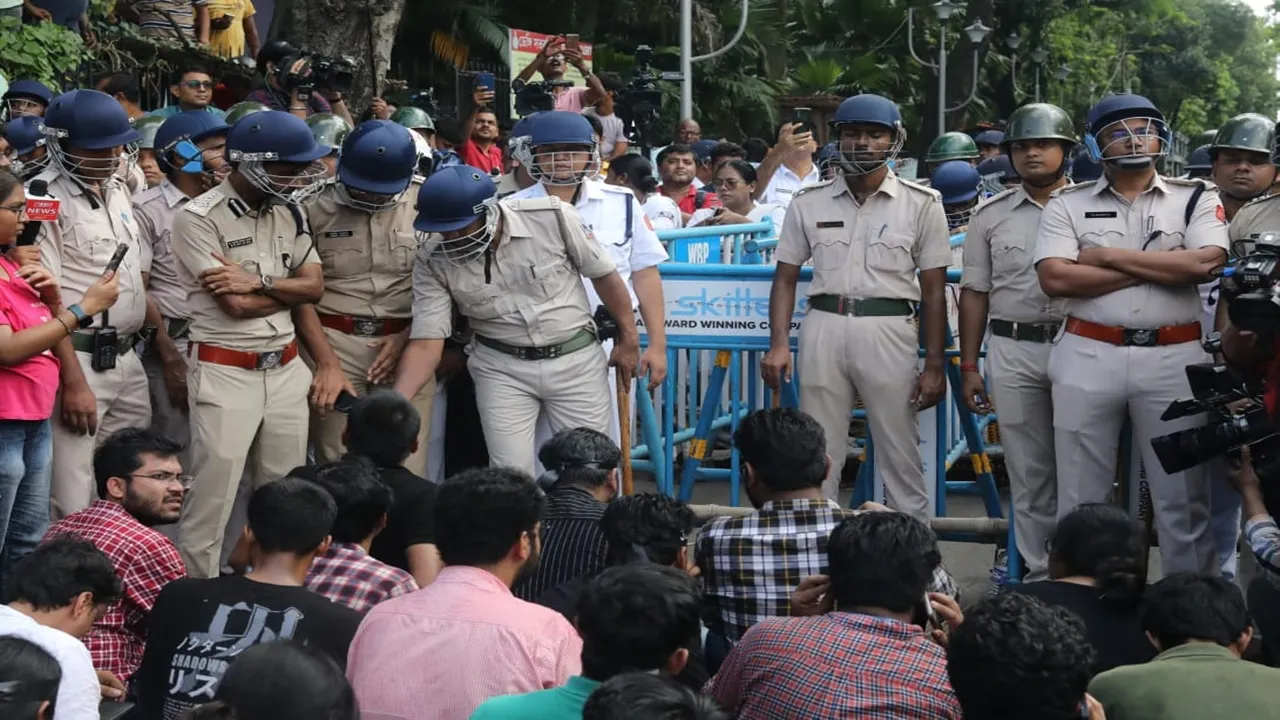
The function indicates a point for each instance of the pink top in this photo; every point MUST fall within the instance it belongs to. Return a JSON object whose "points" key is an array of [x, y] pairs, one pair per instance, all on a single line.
{"points": [[437, 653], [571, 99], [27, 389]]}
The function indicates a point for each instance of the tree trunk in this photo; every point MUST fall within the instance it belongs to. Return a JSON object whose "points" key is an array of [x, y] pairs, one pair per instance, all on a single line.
{"points": [[363, 30]]}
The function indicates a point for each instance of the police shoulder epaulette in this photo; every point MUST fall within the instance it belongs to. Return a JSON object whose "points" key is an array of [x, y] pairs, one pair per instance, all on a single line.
{"points": [[417, 179], [917, 187], [993, 200], [815, 186], [1073, 187], [202, 204], [540, 203], [1189, 182], [1260, 200], [148, 195]]}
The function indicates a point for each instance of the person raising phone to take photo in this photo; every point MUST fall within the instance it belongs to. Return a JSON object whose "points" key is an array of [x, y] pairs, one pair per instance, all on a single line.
{"points": [[559, 52]]}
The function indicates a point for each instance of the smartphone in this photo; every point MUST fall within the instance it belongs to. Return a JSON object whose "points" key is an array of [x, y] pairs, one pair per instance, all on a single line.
{"points": [[345, 402], [931, 616], [571, 42], [802, 120], [114, 263], [485, 81]]}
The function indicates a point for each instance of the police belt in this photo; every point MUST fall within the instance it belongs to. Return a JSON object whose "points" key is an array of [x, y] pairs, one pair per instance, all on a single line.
{"points": [[861, 307], [245, 360], [1135, 337], [83, 342], [364, 326], [583, 338], [1025, 331]]}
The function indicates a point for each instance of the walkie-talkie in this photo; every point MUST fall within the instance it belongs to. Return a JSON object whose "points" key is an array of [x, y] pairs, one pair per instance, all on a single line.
{"points": [[106, 340]]}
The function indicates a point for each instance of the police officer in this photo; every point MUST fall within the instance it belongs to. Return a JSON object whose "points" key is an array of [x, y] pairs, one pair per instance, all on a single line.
{"points": [[145, 171], [563, 156], [1000, 282], [363, 226], [952, 146], [247, 258], [1084, 168], [998, 175], [1199, 164], [989, 143], [512, 268], [867, 234], [957, 181], [27, 141], [329, 130], [518, 179], [104, 387], [241, 109], [189, 149], [1126, 257], [25, 98]]}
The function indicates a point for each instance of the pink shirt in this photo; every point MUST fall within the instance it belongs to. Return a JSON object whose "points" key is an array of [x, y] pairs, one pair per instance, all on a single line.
{"points": [[27, 389], [571, 99], [437, 653]]}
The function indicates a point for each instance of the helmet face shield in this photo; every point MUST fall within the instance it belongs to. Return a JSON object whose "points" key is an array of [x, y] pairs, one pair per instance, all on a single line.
{"points": [[1133, 142], [865, 148], [563, 164], [459, 247], [293, 183], [366, 201], [958, 214], [88, 166]]}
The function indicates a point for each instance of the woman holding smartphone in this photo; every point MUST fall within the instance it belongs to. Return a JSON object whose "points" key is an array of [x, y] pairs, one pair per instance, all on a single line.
{"points": [[32, 322], [735, 183]]}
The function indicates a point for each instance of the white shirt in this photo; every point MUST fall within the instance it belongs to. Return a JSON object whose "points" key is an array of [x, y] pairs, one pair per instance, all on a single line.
{"points": [[758, 213], [79, 692], [663, 212], [784, 184], [603, 214]]}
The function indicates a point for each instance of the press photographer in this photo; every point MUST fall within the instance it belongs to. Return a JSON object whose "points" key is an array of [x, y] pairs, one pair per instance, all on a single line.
{"points": [[639, 102], [554, 92], [302, 83]]}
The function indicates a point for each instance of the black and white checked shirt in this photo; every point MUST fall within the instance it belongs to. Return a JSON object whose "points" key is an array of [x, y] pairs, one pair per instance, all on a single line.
{"points": [[572, 543]]}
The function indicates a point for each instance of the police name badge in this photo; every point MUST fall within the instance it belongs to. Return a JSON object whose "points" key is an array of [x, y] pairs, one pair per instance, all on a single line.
{"points": [[238, 243]]}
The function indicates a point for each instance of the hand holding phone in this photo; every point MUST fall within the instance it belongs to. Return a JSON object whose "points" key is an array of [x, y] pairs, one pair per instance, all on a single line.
{"points": [[114, 263], [344, 402], [571, 43], [485, 81], [803, 123]]}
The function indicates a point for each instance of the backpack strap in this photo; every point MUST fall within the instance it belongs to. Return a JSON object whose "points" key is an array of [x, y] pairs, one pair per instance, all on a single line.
{"points": [[631, 201], [1191, 204]]}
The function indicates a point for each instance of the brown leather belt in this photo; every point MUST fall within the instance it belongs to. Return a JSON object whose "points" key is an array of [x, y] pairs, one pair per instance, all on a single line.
{"points": [[245, 360], [1130, 337], [364, 327]]}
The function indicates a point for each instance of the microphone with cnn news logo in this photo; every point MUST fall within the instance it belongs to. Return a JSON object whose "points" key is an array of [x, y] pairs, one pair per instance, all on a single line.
{"points": [[40, 208]]}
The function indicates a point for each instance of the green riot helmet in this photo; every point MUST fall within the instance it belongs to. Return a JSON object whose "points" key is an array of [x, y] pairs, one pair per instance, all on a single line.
{"points": [[329, 130], [240, 109], [1248, 131], [1204, 138], [1039, 121], [951, 146], [414, 118], [147, 125]]}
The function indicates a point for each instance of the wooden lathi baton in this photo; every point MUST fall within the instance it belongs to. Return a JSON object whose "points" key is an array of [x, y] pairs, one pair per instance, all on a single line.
{"points": [[624, 429]]}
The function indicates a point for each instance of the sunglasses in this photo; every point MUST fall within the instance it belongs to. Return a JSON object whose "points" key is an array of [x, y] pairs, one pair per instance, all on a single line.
{"points": [[198, 84]]}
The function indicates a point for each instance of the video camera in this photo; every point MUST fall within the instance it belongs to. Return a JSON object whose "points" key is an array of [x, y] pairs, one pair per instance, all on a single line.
{"points": [[536, 97], [1237, 417], [334, 72], [1251, 286], [639, 103]]}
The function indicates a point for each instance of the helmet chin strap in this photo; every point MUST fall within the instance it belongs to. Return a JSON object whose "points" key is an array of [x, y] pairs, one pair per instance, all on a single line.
{"points": [[1131, 163]]}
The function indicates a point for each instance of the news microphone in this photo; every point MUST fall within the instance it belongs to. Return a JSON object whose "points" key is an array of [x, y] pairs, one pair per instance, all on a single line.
{"points": [[31, 229]]}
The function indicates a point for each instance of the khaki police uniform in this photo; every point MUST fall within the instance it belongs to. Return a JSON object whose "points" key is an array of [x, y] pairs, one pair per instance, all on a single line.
{"points": [[998, 253], [1126, 351], [859, 336], [76, 250], [247, 391], [368, 295], [507, 185], [603, 209], [535, 349]]}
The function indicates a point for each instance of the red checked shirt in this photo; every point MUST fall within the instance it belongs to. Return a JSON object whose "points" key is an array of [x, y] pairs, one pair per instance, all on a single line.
{"points": [[347, 575], [145, 561], [837, 665]]}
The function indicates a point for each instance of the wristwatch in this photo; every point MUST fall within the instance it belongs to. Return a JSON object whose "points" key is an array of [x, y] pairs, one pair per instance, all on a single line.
{"points": [[83, 319], [268, 284]]}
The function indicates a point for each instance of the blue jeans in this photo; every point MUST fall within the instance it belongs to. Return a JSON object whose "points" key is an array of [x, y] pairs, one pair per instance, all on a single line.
{"points": [[26, 461]]}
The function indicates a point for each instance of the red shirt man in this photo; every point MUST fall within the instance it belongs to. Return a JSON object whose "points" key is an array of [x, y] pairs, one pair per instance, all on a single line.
{"points": [[481, 147]]}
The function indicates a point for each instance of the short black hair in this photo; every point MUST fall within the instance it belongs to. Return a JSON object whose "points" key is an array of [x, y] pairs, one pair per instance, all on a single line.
{"points": [[58, 570], [274, 52], [727, 150], [189, 68], [121, 454], [786, 448], [882, 560], [611, 81], [1014, 657], [743, 168], [286, 680], [291, 516], [1184, 607], [634, 617], [580, 456], [481, 513], [36, 675], [382, 427], [450, 131], [756, 149], [676, 149], [1101, 541], [123, 83], [642, 696], [645, 527], [362, 499]]}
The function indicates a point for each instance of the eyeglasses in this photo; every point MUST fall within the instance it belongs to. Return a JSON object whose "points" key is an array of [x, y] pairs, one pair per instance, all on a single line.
{"points": [[18, 209], [199, 84], [164, 477]]}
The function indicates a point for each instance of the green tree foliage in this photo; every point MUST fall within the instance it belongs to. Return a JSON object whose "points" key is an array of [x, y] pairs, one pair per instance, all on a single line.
{"points": [[46, 52]]}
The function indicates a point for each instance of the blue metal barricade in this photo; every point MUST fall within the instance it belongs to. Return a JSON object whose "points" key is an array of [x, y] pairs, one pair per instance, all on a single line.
{"points": [[717, 244]]}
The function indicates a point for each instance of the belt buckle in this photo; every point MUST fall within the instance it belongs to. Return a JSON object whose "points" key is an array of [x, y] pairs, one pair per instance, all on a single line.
{"points": [[1141, 338], [550, 353], [366, 327], [269, 360], [521, 353]]}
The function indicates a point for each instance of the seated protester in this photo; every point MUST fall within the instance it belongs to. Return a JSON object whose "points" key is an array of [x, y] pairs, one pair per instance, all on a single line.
{"points": [[141, 486], [1263, 536], [383, 427], [345, 573], [1097, 572], [632, 618], [1201, 627], [281, 680], [1015, 657], [751, 564], [55, 595], [644, 696], [866, 658], [198, 626], [438, 653], [581, 478], [30, 680]]}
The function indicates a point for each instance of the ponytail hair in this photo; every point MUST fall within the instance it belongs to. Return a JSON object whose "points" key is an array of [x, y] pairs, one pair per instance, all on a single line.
{"points": [[1102, 542], [636, 171]]}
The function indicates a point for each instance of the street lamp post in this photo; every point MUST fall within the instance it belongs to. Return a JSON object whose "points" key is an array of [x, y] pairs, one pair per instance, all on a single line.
{"points": [[1061, 76], [976, 32], [1038, 56]]}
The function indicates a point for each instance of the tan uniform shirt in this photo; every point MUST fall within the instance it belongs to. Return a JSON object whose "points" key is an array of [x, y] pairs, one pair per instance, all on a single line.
{"points": [[998, 250], [1093, 215], [534, 297], [367, 257], [77, 248], [1255, 218], [265, 241], [870, 250], [155, 210]]}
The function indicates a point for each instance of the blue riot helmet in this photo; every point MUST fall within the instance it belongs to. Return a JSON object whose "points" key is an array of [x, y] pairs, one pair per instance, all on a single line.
{"points": [[997, 173], [989, 138], [862, 153], [25, 98], [88, 131], [957, 181], [1126, 131], [1199, 164], [177, 145], [376, 165], [457, 214], [1084, 168], [27, 140], [560, 149], [276, 152], [828, 159]]}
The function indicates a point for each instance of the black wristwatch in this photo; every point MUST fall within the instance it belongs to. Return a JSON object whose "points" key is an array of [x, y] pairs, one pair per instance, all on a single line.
{"points": [[83, 320]]}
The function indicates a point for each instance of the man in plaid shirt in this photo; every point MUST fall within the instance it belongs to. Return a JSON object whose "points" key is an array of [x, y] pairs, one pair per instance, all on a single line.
{"points": [[346, 573], [750, 565], [140, 486]]}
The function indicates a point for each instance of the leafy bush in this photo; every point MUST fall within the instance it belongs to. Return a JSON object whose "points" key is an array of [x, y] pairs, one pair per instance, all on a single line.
{"points": [[46, 52]]}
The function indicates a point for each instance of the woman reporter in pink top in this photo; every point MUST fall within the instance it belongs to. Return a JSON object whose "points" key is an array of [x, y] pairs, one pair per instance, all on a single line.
{"points": [[32, 322]]}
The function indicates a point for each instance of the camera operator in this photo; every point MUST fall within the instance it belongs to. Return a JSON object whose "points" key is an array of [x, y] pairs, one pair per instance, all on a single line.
{"points": [[1263, 536], [613, 141], [551, 63], [278, 61]]}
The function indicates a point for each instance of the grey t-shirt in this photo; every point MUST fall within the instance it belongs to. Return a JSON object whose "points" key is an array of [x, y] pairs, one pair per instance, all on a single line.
{"points": [[614, 132]]}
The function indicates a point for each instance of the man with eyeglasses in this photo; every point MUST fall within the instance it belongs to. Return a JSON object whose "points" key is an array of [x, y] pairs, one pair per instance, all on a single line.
{"points": [[141, 486], [192, 89]]}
